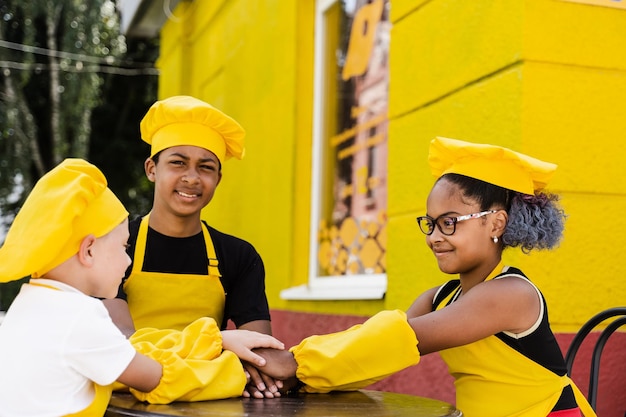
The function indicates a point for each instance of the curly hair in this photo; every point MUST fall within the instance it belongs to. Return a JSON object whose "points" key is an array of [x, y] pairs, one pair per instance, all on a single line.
{"points": [[535, 221]]}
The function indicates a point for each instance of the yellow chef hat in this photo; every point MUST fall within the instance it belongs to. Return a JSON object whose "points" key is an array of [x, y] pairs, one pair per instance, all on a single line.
{"points": [[67, 204], [493, 164], [184, 120]]}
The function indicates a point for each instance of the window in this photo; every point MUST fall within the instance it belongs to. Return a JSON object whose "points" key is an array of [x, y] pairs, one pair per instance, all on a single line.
{"points": [[349, 188]]}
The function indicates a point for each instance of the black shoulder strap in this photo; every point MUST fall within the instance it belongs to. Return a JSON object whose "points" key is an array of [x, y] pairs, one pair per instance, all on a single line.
{"points": [[444, 291]]}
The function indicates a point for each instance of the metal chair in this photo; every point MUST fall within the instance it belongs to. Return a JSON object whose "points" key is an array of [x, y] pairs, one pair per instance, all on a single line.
{"points": [[620, 313]]}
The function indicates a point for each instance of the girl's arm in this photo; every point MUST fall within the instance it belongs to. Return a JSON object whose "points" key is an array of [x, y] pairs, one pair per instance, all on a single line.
{"points": [[507, 304], [422, 305]]}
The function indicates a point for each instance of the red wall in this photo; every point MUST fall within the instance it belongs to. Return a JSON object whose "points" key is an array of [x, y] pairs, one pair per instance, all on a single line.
{"points": [[430, 377]]}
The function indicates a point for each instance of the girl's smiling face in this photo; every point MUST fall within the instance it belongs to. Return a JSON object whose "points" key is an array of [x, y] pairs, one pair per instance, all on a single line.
{"points": [[471, 245]]}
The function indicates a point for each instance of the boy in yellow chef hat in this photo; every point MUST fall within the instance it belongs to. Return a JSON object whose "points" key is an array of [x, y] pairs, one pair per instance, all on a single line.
{"points": [[490, 323], [170, 283], [60, 350]]}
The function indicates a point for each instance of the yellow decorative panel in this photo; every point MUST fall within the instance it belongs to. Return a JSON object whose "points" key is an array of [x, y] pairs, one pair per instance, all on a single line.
{"points": [[352, 248]]}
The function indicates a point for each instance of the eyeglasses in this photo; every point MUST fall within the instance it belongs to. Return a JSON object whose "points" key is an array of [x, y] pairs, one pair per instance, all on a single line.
{"points": [[446, 224]]}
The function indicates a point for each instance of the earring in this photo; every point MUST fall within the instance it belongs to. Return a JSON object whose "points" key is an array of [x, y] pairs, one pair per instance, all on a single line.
{"points": [[495, 239]]}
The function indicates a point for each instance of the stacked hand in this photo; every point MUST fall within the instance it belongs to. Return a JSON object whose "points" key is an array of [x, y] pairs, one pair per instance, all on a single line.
{"points": [[274, 374]]}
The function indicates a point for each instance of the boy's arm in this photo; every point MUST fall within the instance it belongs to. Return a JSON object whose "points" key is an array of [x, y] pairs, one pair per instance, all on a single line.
{"points": [[195, 368], [142, 374]]}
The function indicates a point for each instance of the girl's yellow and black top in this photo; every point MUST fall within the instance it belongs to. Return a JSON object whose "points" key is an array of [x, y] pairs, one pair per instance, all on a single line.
{"points": [[510, 375]]}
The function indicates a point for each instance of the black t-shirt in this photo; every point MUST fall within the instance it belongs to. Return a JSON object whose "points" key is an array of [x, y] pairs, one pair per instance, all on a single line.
{"points": [[241, 267]]}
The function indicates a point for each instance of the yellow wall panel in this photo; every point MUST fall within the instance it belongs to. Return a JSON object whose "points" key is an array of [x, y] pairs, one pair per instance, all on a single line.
{"points": [[446, 45], [574, 34], [572, 115], [303, 142]]}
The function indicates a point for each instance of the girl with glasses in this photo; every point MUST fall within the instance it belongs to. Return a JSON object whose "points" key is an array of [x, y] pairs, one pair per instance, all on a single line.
{"points": [[490, 322]]}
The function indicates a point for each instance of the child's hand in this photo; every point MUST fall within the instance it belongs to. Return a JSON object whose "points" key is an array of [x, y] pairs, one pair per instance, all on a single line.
{"points": [[241, 343], [259, 384], [279, 364], [266, 381]]}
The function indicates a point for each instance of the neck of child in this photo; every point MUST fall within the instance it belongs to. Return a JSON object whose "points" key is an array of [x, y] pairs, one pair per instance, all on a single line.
{"points": [[70, 273], [477, 275], [175, 226]]}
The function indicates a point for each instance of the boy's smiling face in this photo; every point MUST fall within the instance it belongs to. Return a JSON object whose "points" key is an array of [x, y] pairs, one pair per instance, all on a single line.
{"points": [[185, 179]]}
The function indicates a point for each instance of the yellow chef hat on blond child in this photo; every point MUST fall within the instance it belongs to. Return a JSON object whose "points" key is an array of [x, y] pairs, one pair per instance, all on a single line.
{"points": [[493, 164], [68, 203], [185, 120]]}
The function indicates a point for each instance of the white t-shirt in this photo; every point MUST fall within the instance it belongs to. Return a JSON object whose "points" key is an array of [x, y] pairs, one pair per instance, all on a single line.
{"points": [[53, 344]]}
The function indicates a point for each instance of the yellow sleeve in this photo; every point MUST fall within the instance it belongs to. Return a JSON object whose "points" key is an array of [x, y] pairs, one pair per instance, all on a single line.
{"points": [[194, 366], [357, 357]]}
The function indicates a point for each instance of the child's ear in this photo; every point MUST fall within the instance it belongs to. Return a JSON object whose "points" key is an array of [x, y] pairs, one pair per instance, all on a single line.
{"points": [[85, 250], [149, 167], [500, 219]]}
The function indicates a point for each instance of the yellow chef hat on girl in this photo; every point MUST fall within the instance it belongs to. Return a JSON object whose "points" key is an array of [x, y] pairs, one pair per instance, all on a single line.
{"points": [[68, 203], [493, 164], [185, 120]]}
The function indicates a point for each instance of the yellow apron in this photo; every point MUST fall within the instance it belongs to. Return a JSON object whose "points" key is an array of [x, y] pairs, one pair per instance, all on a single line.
{"points": [[172, 301], [98, 406], [494, 380]]}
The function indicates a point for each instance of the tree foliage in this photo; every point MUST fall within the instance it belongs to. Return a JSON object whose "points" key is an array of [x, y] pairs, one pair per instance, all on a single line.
{"points": [[71, 86]]}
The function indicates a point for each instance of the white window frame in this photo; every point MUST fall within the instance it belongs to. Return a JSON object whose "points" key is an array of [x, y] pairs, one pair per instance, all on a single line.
{"points": [[344, 287]]}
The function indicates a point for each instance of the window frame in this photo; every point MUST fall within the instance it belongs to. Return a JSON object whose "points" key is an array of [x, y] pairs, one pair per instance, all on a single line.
{"points": [[343, 287]]}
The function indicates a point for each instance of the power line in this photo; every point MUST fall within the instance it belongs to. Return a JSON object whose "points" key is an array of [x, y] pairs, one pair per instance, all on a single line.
{"points": [[108, 60], [9, 65]]}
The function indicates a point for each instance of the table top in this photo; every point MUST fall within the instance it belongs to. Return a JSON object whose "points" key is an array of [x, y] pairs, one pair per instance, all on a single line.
{"points": [[362, 403]]}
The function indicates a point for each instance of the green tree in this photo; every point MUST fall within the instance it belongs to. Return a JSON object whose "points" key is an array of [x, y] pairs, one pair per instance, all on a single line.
{"points": [[70, 86]]}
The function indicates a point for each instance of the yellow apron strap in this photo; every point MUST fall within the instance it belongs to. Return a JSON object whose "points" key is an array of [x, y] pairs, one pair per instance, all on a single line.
{"points": [[141, 243], [210, 252], [142, 235]]}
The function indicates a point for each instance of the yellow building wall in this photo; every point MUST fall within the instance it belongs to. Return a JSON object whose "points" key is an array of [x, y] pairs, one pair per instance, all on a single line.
{"points": [[545, 77], [253, 60]]}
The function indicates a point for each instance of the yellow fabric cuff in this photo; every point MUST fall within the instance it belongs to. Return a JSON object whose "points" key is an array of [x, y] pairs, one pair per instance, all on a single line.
{"points": [[194, 366], [359, 356], [201, 339], [193, 379]]}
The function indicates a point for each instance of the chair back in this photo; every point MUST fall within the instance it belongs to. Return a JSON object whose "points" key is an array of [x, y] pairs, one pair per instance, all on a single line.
{"points": [[619, 316]]}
